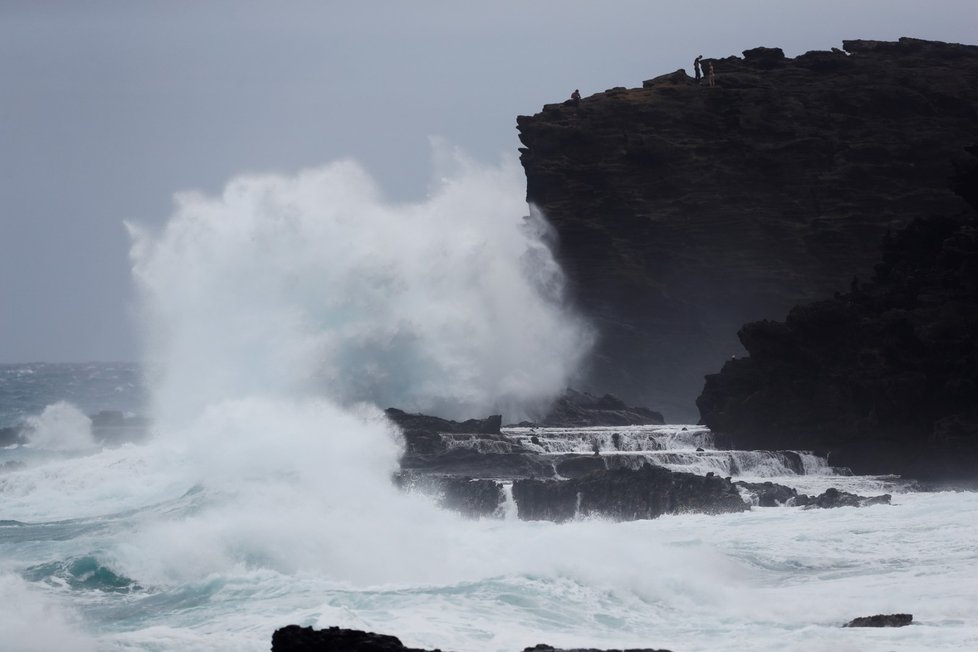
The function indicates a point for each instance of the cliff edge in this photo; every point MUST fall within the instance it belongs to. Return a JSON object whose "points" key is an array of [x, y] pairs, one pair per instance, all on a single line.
{"points": [[683, 211]]}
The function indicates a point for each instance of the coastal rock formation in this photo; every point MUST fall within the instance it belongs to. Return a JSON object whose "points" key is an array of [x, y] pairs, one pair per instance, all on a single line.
{"points": [[881, 620], [575, 409], [882, 379], [293, 638], [626, 495], [770, 494], [423, 433], [683, 211], [470, 497]]}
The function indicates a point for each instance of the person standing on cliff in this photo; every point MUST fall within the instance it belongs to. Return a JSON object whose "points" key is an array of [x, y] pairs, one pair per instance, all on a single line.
{"points": [[713, 76], [576, 97], [696, 69]]}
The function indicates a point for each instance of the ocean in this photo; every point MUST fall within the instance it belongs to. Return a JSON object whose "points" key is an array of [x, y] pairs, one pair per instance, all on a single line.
{"points": [[165, 545], [277, 320]]}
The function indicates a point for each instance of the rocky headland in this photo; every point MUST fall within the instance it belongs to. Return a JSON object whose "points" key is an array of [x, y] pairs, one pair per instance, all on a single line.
{"points": [[882, 378], [683, 211]]}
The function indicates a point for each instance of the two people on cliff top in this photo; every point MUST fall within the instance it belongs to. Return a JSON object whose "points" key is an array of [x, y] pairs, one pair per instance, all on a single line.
{"points": [[697, 70]]}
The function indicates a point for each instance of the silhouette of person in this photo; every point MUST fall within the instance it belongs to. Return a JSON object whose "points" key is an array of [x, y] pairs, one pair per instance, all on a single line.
{"points": [[696, 68], [576, 96], [713, 76]]}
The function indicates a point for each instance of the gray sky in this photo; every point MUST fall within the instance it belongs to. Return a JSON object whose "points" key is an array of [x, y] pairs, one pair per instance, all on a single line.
{"points": [[108, 108]]}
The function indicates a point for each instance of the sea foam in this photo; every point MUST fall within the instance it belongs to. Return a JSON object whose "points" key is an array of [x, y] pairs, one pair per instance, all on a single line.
{"points": [[315, 284]]}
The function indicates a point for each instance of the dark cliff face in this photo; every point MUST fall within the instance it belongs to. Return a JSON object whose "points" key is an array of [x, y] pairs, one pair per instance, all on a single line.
{"points": [[883, 378], [684, 211]]}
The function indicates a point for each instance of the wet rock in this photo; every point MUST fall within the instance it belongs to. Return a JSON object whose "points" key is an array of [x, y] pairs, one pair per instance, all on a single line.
{"points": [[769, 494], [576, 466], [423, 433], [471, 497], [832, 497], [489, 425], [293, 638], [581, 409], [466, 462], [626, 494], [881, 620]]}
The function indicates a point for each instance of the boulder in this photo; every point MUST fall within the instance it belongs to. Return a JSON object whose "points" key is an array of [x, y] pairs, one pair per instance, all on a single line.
{"points": [[769, 494], [881, 620], [832, 497]]}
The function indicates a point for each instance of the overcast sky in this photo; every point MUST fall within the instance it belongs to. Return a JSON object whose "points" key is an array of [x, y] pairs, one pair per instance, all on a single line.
{"points": [[108, 108]]}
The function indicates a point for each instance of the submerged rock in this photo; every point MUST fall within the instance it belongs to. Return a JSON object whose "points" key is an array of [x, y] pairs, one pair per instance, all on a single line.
{"points": [[832, 497], [770, 494], [881, 620]]}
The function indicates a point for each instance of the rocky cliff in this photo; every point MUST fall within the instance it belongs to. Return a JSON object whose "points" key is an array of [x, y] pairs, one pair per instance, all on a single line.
{"points": [[883, 378], [683, 211]]}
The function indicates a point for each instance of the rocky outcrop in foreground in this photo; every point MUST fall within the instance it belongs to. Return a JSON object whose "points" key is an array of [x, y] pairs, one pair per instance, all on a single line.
{"points": [[683, 211], [306, 639], [547, 474], [627, 495], [770, 494], [881, 620], [883, 378]]}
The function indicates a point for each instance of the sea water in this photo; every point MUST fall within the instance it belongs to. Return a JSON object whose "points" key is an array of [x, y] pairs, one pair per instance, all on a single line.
{"points": [[139, 547], [280, 317]]}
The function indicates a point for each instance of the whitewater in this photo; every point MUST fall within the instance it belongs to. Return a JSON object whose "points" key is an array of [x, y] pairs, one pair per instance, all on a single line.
{"points": [[279, 318]]}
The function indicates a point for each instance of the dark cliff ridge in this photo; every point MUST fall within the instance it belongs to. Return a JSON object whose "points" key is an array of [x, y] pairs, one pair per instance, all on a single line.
{"points": [[684, 211], [882, 379]]}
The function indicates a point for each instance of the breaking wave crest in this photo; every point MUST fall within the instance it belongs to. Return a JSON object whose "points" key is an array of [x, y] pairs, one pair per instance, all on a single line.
{"points": [[315, 283]]}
